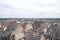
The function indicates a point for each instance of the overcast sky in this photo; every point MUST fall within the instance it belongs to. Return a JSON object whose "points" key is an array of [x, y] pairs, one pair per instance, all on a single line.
{"points": [[29, 8]]}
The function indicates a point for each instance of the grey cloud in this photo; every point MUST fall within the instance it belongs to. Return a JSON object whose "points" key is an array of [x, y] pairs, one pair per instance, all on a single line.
{"points": [[8, 6], [10, 12], [39, 4]]}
